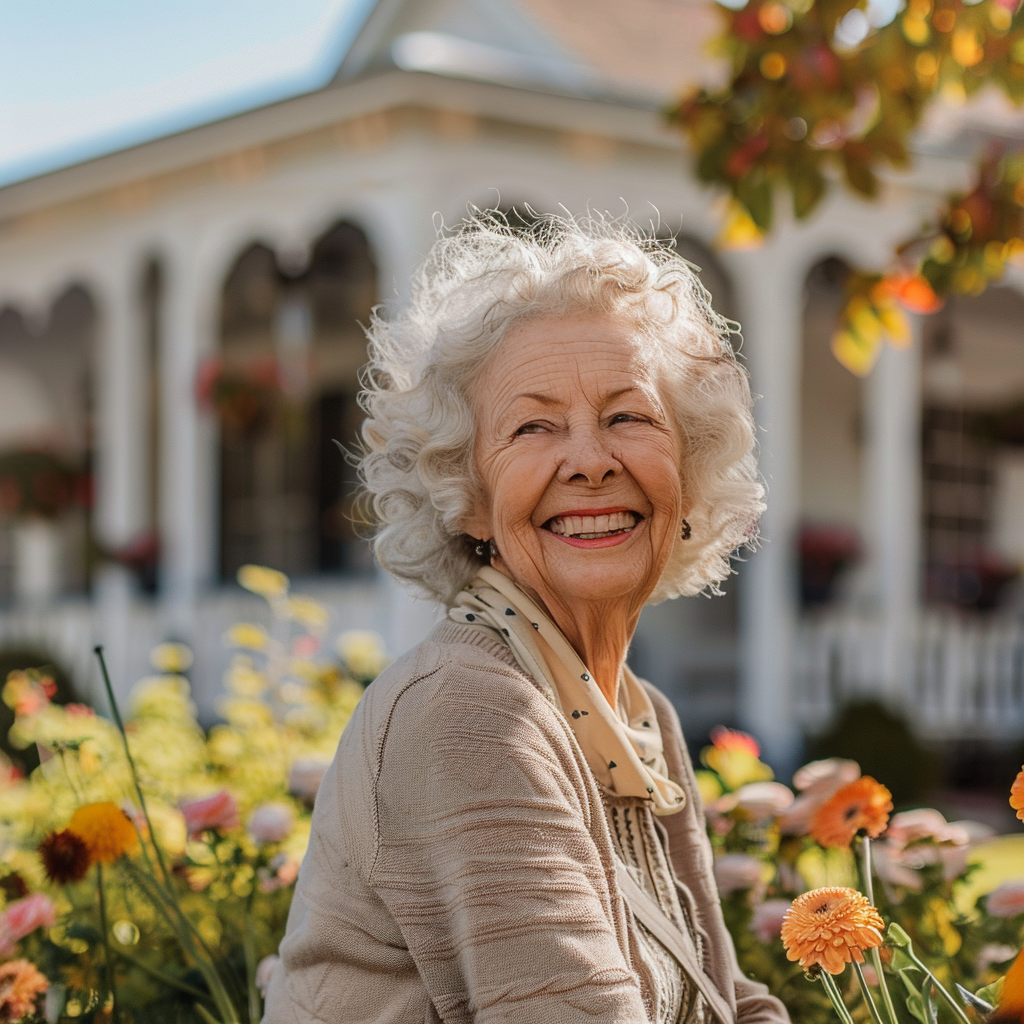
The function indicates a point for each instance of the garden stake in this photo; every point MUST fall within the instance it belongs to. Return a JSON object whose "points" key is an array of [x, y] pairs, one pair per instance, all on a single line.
{"points": [[876, 955]]}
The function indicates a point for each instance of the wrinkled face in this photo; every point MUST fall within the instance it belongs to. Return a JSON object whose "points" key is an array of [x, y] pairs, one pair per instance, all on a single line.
{"points": [[579, 460]]}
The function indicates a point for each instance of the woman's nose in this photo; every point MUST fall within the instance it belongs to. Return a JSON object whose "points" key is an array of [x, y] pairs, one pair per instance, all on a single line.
{"points": [[587, 459]]}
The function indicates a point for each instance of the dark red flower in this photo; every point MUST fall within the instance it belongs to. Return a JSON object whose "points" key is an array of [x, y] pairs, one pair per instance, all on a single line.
{"points": [[65, 856]]}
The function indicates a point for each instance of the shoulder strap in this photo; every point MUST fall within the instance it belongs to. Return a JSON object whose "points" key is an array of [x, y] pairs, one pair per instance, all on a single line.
{"points": [[666, 932]]}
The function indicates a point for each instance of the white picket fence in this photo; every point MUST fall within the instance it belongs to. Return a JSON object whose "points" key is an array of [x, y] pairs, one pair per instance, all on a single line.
{"points": [[965, 680]]}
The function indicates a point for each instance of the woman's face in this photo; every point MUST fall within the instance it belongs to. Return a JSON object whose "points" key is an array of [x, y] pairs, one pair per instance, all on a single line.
{"points": [[579, 461]]}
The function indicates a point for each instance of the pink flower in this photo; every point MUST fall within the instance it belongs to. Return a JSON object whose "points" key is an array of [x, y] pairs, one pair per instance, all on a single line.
{"points": [[271, 822], [993, 953], [766, 923], [891, 867], [924, 823], [735, 871], [216, 811], [1007, 900], [764, 799], [305, 776], [22, 917], [816, 782]]}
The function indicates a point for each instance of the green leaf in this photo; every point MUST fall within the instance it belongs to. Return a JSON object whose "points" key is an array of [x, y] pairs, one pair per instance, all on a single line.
{"points": [[755, 193], [808, 185], [860, 176], [931, 1011], [915, 1001], [992, 993]]}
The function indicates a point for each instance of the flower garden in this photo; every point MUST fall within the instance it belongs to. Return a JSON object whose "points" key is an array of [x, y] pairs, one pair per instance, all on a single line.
{"points": [[147, 865]]}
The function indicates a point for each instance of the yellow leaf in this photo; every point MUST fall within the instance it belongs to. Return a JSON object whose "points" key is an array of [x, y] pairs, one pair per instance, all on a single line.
{"points": [[739, 230], [896, 325], [856, 354]]}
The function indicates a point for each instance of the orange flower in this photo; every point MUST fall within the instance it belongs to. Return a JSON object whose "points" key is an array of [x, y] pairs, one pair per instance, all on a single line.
{"points": [[106, 829], [1011, 1004], [862, 805], [1017, 794], [21, 985], [830, 928]]}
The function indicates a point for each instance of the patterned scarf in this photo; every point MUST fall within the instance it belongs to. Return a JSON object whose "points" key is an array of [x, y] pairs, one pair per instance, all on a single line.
{"points": [[624, 747]]}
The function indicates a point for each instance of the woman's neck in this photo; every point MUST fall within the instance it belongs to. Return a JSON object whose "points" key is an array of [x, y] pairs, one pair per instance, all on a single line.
{"points": [[599, 631]]}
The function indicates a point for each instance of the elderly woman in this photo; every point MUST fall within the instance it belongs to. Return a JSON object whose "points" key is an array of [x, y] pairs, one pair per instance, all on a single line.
{"points": [[558, 433]]}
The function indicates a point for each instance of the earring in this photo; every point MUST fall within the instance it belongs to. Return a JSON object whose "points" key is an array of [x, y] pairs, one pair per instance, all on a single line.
{"points": [[493, 549], [479, 549], [686, 531]]}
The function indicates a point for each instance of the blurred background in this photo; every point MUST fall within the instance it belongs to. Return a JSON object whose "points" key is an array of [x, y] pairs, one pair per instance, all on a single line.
{"points": [[201, 203]]}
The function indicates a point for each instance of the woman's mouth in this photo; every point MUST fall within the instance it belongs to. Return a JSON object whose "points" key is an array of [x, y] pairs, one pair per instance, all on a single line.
{"points": [[594, 526]]}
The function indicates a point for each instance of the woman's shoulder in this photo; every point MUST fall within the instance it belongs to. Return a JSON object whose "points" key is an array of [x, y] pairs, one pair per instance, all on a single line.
{"points": [[455, 668]]}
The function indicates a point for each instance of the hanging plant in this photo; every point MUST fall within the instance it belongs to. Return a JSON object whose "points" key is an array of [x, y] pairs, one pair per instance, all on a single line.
{"points": [[245, 399], [39, 483]]}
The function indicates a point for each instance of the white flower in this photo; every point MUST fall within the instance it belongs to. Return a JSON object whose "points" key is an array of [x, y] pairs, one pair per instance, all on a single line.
{"points": [[271, 822], [993, 953], [735, 871], [766, 923], [764, 799], [305, 776], [264, 969]]}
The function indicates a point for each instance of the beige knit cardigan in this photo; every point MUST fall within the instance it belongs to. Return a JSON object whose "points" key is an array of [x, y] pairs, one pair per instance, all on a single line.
{"points": [[460, 867]]}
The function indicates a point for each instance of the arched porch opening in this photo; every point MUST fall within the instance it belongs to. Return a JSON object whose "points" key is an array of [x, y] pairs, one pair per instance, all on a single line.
{"points": [[284, 386], [47, 447]]}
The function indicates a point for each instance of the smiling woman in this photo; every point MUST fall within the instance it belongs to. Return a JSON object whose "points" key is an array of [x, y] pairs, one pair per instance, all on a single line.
{"points": [[558, 433]]}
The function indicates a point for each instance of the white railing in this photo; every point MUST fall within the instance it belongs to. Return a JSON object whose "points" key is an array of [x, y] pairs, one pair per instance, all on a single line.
{"points": [[965, 674], [68, 630]]}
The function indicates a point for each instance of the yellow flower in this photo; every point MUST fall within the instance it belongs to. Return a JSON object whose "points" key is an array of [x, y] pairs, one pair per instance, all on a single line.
{"points": [[308, 612], [245, 634], [242, 679], [106, 830], [173, 658], [268, 583], [363, 653], [736, 767]]}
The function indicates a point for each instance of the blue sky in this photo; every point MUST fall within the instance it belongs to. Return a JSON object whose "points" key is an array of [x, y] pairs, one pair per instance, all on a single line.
{"points": [[83, 77]]}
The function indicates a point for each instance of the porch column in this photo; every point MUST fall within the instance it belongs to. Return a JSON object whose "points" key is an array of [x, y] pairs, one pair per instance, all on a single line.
{"points": [[187, 519], [120, 469], [893, 509], [769, 292]]}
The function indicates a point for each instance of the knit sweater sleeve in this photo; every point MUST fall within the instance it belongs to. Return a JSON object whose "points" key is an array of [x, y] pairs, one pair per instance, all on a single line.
{"points": [[485, 860]]}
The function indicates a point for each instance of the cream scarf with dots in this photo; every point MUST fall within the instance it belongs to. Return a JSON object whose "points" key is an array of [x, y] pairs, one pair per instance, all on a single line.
{"points": [[624, 748]]}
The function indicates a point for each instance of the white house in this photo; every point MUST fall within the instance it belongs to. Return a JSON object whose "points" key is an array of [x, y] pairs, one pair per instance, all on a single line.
{"points": [[125, 278]]}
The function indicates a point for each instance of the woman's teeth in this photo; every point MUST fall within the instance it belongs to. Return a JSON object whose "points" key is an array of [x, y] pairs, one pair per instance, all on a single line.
{"points": [[593, 527]]}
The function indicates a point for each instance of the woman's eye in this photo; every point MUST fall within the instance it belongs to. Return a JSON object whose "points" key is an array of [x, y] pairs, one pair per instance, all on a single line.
{"points": [[624, 417], [529, 428]]}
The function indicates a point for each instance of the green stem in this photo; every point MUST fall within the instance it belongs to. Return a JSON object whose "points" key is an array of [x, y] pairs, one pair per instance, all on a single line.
{"points": [[108, 962], [866, 992], [876, 956], [119, 721], [832, 990], [953, 1004], [184, 931], [249, 947], [167, 979]]}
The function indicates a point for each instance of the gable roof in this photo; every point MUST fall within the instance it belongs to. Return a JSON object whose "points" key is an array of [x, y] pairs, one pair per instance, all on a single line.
{"points": [[646, 51]]}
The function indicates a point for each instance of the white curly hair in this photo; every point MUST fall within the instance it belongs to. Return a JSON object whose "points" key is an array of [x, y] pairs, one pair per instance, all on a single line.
{"points": [[479, 282]]}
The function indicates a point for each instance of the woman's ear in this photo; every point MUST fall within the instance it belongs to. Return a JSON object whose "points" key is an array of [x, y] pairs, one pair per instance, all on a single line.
{"points": [[479, 523]]}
